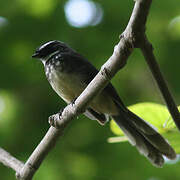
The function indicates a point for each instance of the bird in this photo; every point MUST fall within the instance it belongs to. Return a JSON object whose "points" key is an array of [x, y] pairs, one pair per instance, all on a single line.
{"points": [[69, 73]]}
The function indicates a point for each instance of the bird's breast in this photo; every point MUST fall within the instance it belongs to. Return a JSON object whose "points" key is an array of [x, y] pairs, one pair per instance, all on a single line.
{"points": [[70, 85], [67, 85]]}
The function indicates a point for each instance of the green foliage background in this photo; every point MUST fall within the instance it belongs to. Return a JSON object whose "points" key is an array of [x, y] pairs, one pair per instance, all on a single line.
{"points": [[83, 152]]}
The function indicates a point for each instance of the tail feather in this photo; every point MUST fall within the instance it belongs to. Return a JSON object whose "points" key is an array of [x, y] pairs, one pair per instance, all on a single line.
{"points": [[152, 136], [146, 139]]}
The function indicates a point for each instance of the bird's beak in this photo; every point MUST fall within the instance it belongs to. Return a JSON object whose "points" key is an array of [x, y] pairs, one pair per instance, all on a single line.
{"points": [[35, 55]]}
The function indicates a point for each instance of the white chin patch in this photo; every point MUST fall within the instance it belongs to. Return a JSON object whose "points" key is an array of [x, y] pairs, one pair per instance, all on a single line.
{"points": [[43, 61]]}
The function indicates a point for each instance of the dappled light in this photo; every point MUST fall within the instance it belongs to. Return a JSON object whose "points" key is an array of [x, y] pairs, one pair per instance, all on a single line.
{"points": [[3, 22], [174, 28], [8, 110], [38, 8], [82, 13]]}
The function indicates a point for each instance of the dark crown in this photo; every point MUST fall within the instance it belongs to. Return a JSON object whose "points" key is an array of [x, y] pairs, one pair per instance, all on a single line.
{"points": [[49, 48]]}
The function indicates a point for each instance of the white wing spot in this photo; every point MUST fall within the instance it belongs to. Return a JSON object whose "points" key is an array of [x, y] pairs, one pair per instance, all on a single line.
{"points": [[57, 63]]}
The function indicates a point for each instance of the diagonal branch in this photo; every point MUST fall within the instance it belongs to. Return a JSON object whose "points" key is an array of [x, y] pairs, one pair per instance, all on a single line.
{"points": [[117, 61], [147, 51], [10, 161]]}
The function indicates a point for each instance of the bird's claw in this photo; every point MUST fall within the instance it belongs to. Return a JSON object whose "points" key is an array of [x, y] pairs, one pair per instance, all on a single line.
{"points": [[73, 101], [54, 118]]}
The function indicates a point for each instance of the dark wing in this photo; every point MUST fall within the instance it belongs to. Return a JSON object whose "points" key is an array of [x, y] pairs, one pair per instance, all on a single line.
{"points": [[112, 92], [91, 114], [82, 66]]}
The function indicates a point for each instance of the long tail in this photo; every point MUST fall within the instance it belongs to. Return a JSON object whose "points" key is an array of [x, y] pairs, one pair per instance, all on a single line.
{"points": [[146, 139]]}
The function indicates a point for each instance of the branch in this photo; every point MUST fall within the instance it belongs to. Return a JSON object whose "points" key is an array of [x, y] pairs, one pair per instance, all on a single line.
{"points": [[117, 61], [10, 161], [147, 51]]}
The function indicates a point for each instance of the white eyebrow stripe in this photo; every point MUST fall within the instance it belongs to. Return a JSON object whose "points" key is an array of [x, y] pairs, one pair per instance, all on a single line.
{"points": [[44, 45]]}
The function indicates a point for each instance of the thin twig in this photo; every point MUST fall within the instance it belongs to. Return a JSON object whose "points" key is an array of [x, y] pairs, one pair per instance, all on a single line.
{"points": [[147, 51]]}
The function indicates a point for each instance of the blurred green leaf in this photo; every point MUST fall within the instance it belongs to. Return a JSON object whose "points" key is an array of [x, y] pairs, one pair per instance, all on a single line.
{"points": [[49, 171], [30, 23], [82, 165], [174, 27], [8, 110], [20, 52], [3, 21], [155, 114], [38, 8], [158, 116]]}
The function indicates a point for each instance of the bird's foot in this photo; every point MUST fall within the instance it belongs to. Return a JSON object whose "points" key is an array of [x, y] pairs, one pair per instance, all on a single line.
{"points": [[73, 101], [54, 118]]}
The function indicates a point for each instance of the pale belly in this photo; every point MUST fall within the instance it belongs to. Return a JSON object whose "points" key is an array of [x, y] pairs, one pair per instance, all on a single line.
{"points": [[69, 87]]}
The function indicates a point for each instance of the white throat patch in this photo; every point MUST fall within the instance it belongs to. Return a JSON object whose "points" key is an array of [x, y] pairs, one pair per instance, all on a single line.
{"points": [[46, 58]]}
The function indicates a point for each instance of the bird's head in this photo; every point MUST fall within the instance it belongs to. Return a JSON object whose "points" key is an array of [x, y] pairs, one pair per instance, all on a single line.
{"points": [[49, 49]]}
